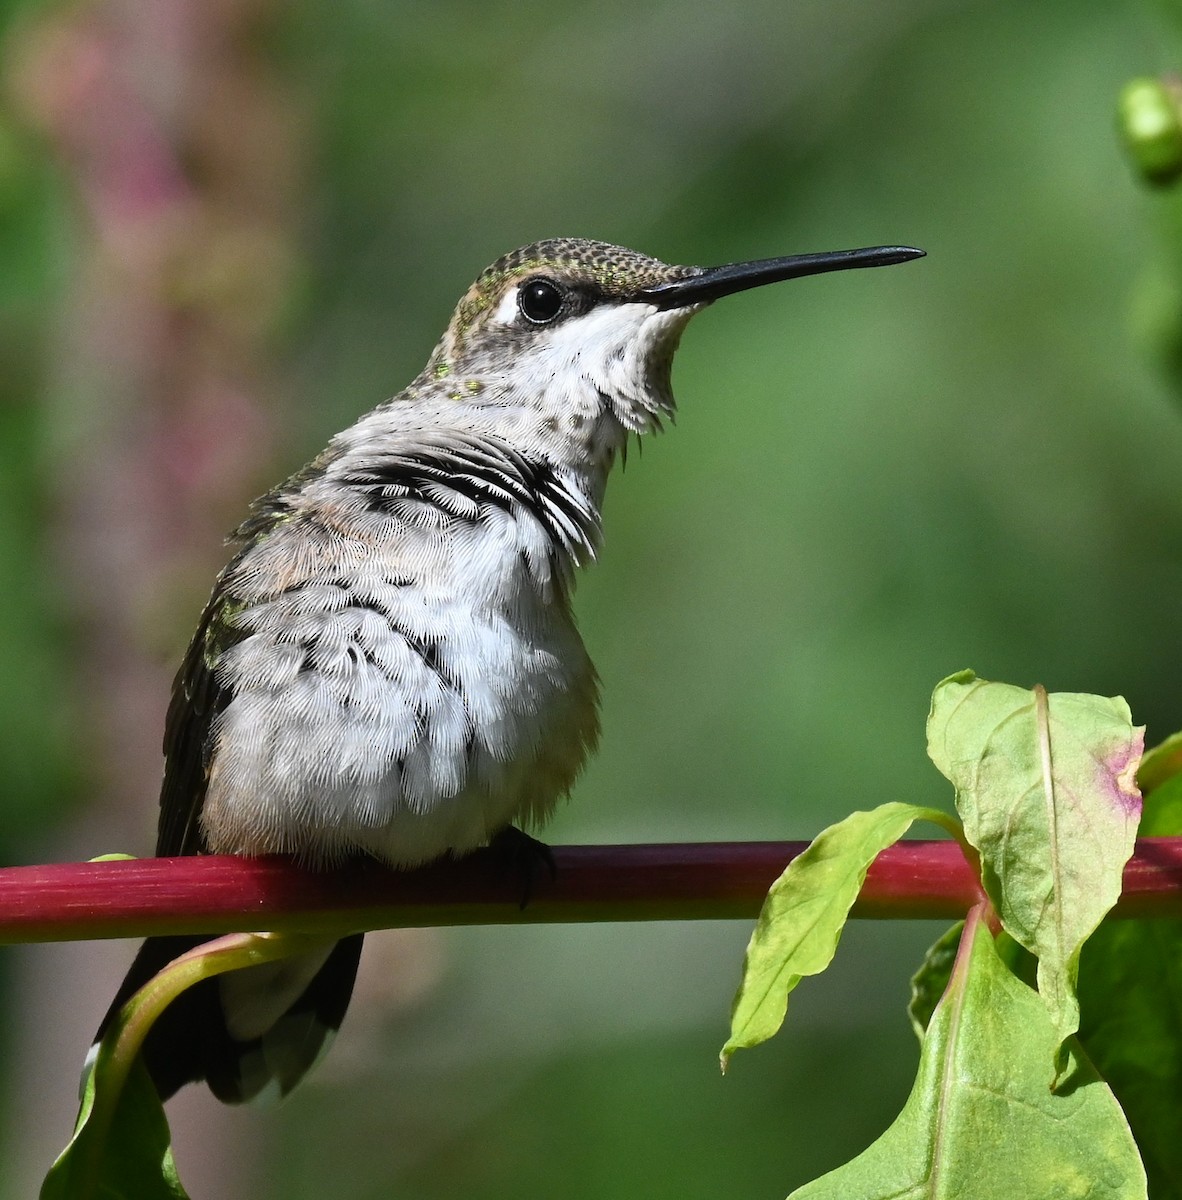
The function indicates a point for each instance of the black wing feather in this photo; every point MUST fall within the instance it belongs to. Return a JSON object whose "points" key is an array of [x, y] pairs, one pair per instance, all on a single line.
{"points": [[198, 698]]}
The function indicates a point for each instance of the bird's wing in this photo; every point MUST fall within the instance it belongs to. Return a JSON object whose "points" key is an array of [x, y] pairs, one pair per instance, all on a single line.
{"points": [[197, 699]]}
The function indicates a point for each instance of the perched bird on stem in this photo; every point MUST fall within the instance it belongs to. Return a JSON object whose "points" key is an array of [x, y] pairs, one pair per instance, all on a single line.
{"points": [[389, 664]]}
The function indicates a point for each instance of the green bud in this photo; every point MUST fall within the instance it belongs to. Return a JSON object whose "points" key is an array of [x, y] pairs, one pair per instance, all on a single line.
{"points": [[1149, 114]]}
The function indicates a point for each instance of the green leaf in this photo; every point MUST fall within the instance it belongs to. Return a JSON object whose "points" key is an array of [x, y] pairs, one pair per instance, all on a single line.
{"points": [[1130, 987], [120, 1148], [127, 1158], [805, 911], [1160, 764], [1162, 814], [929, 982], [1045, 786], [981, 1120]]}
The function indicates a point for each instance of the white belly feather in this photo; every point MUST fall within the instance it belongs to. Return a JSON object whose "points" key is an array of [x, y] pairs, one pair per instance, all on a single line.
{"points": [[386, 708]]}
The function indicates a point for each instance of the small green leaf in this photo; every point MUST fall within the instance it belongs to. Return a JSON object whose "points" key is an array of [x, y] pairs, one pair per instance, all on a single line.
{"points": [[1160, 764], [929, 982], [1162, 814], [803, 916], [1045, 786], [981, 1120], [128, 1157]]}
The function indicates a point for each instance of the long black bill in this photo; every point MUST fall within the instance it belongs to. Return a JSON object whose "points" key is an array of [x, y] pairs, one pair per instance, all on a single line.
{"points": [[712, 282]]}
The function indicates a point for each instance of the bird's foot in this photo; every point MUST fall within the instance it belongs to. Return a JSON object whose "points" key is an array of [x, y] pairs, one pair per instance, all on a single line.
{"points": [[522, 857]]}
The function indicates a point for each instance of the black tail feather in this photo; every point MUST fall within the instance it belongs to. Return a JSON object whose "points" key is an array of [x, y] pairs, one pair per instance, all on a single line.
{"points": [[190, 1042]]}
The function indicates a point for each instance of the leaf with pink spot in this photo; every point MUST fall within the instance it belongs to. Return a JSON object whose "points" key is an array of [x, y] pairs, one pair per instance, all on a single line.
{"points": [[1046, 787]]}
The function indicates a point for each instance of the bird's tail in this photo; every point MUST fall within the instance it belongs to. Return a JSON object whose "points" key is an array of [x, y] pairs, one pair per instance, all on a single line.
{"points": [[250, 1034]]}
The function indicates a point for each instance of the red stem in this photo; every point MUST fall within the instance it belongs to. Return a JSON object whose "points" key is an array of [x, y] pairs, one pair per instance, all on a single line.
{"points": [[693, 881]]}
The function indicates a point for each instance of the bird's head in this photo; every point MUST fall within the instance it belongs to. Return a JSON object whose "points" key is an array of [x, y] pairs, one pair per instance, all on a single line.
{"points": [[585, 330]]}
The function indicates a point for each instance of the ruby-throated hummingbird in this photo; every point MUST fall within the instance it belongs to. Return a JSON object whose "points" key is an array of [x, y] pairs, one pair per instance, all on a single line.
{"points": [[389, 664]]}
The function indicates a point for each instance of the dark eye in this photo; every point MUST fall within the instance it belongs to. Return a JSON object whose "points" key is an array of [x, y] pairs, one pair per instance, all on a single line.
{"points": [[540, 301]]}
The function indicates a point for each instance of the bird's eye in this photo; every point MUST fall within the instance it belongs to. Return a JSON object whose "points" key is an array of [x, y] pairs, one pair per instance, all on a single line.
{"points": [[540, 301]]}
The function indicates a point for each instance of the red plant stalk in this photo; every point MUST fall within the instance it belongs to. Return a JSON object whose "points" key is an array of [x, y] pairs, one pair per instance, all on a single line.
{"points": [[691, 881]]}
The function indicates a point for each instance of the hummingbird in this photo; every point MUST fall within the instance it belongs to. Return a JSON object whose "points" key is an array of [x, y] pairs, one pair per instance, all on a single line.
{"points": [[389, 665]]}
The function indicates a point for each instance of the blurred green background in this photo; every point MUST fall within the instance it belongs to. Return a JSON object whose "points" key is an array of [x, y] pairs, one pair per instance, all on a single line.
{"points": [[228, 228]]}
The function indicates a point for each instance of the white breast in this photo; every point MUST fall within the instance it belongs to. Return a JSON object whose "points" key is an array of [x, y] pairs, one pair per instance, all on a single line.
{"points": [[409, 703]]}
